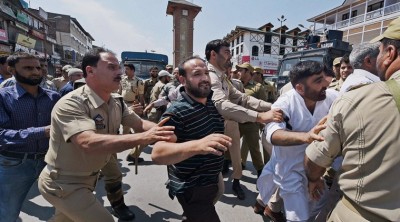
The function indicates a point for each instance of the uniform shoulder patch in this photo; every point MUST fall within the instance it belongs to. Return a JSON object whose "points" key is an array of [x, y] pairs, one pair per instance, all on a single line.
{"points": [[99, 121]]}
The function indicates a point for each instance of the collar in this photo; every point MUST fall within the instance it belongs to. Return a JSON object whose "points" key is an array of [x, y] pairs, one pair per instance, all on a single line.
{"points": [[212, 68], [395, 75], [93, 97], [19, 91], [366, 74]]}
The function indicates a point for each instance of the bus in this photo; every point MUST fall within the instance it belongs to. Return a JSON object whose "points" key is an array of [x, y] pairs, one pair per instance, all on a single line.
{"points": [[143, 61]]}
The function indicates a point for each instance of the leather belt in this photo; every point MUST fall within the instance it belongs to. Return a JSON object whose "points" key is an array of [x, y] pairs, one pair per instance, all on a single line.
{"points": [[17, 155], [361, 211]]}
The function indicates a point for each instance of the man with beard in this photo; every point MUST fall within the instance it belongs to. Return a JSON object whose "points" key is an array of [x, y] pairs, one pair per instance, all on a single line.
{"points": [[84, 136], [195, 161], [235, 106], [363, 126], [149, 84], [25, 111], [303, 106]]}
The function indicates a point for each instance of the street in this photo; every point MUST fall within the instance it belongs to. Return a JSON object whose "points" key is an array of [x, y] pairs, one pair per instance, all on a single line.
{"points": [[147, 197]]}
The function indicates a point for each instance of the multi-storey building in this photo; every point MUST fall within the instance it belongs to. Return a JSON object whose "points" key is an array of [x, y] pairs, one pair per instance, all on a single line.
{"points": [[21, 30], [263, 46], [72, 39], [360, 20]]}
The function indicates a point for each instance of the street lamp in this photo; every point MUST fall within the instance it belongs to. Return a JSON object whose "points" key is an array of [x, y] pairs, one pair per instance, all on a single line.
{"points": [[281, 19]]}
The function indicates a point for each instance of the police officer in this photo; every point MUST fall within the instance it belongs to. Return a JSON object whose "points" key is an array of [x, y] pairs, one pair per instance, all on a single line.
{"points": [[249, 131], [149, 84], [132, 90], [163, 78], [63, 80], [363, 126], [227, 98], [82, 140], [268, 86]]}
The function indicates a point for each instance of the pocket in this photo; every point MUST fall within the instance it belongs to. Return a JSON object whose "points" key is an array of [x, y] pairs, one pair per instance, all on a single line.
{"points": [[10, 162]]}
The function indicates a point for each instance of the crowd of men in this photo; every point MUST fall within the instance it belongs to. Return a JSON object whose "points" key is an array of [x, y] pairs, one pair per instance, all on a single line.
{"points": [[329, 141]]}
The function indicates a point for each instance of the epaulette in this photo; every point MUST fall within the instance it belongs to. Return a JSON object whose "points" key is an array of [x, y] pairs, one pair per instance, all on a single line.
{"points": [[212, 70]]}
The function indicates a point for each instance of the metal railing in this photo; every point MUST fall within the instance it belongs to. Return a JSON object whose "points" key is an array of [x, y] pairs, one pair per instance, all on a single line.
{"points": [[370, 15]]}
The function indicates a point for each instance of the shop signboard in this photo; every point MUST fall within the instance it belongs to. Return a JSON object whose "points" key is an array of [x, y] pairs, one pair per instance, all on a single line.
{"points": [[26, 41], [3, 35]]}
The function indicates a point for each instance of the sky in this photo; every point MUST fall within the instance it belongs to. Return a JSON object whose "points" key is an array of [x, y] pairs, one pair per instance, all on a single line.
{"points": [[140, 25]]}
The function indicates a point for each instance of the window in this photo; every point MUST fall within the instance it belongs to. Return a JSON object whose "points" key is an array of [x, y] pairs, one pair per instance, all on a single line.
{"points": [[354, 13], [267, 38], [345, 16], [283, 40], [282, 51], [237, 50], [254, 51], [233, 43], [294, 42], [237, 41], [267, 49], [241, 38], [233, 52], [375, 6], [241, 49]]}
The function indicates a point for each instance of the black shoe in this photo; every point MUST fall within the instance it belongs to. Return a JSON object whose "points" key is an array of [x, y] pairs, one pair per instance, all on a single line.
{"points": [[237, 190], [130, 158], [122, 212]]}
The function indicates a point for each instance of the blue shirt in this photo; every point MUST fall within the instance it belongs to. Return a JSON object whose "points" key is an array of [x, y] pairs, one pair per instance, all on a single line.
{"points": [[23, 118], [69, 87]]}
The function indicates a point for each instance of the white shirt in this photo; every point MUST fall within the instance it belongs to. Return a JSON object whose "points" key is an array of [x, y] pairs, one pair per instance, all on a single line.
{"points": [[359, 77], [301, 120]]}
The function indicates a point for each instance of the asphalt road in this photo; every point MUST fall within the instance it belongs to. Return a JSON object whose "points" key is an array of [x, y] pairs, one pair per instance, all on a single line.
{"points": [[147, 197]]}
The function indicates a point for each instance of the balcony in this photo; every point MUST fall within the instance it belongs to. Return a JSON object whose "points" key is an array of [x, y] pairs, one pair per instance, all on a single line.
{"points": [[369, 16]]}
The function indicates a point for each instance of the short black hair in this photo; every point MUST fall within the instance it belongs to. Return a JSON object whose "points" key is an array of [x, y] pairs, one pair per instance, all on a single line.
{"points": [[3, 59], [386, 42], [92, 57], [215, 45], [14, 58], [154, 67], [305, 69], [130, 65], [345, 59], [182, 71]]}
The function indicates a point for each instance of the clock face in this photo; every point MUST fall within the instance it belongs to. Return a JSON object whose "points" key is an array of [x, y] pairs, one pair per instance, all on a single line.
{"points": [[185, 12]]}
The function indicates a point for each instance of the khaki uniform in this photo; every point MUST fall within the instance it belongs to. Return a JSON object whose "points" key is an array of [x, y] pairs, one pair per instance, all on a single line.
{"points": [[60, 82], [148, 87], [131, 90], [270, 90], [363, 127], [238, 85], [70, 176], [250, 130], [155, 113], [336, 84], [235, 107]]}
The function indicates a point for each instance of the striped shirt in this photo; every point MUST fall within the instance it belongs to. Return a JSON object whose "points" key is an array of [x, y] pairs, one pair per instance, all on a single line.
{"points": [[193, 121], [23, 118]]}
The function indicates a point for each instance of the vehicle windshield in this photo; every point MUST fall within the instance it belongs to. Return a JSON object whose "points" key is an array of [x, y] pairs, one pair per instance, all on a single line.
{"points": [[143, 68], [287, 64]]}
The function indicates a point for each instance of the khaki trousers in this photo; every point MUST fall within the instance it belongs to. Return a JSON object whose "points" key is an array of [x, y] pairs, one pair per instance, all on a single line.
{"points": [[113, 181], [342, 214], [72, 197], [251, 142], [232, 130]]}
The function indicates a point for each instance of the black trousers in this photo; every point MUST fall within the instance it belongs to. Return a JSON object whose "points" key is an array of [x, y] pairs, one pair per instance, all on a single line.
{"points": [[197, 204]]}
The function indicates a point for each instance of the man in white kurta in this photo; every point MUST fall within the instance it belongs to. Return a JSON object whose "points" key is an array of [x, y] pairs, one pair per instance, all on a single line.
{"points": [[286, 168]]}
